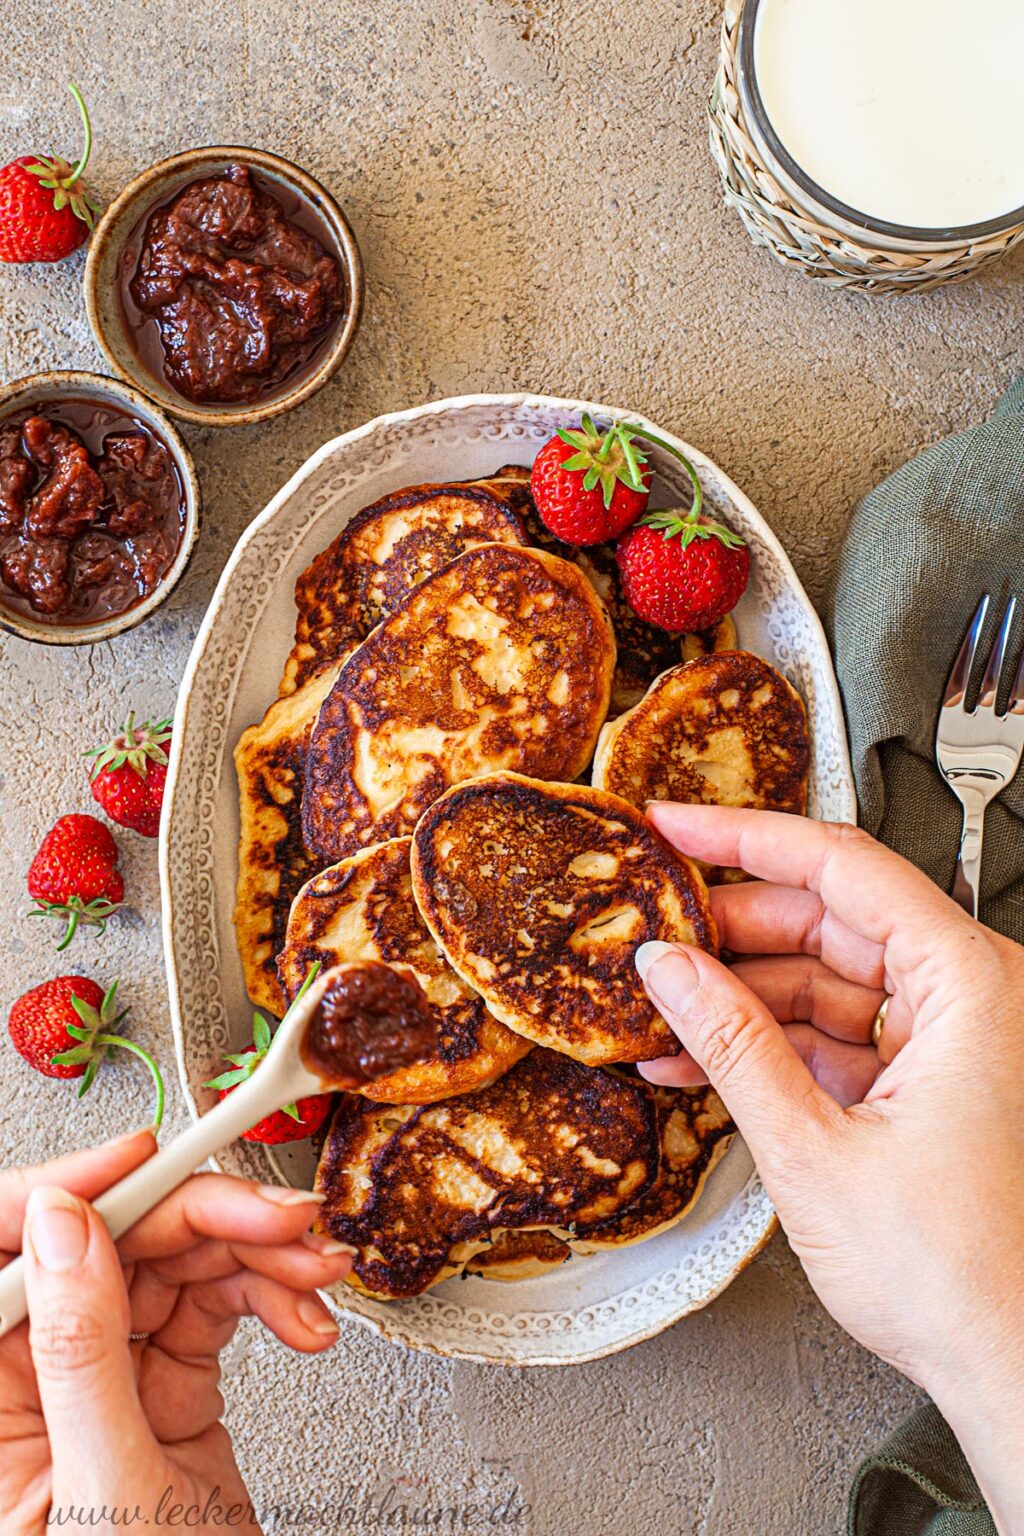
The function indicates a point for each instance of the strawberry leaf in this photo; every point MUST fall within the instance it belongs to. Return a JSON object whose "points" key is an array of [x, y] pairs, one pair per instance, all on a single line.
{"points": [[261, 1034], [229, 1079], [292, 1111], [72, 1058]]}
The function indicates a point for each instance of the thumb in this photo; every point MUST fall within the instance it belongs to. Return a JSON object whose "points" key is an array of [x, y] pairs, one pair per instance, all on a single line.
{"points": [[79, 1321], [767, 1088]]}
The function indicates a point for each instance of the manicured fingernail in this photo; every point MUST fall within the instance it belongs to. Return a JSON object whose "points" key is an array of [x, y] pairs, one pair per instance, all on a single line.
{"points": [[668, 974], [121, 1141], [57, 1229], [327, 1247], [277, 1194], [315, 1319]]}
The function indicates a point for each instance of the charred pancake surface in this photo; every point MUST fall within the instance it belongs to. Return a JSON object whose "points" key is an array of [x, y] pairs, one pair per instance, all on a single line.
{"points": [[695, 1131], [386, 550], [539, 894], [363, 909], [273, 862], [503, 659], [519, 1256], [418, 1192]]}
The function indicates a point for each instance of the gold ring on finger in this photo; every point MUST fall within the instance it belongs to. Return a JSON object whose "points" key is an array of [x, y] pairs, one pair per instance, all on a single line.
{"points": [[878, 1022]]}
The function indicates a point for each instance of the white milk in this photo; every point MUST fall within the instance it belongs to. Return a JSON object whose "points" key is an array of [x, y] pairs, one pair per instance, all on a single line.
{"points": [[911, 111]]}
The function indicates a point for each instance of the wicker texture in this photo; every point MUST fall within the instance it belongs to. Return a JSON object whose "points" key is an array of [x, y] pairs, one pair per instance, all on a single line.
{"points": [[793, 235]]}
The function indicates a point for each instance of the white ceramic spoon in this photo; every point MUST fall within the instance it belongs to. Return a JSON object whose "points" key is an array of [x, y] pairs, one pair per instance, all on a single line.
{"points": [[282, 1078]]}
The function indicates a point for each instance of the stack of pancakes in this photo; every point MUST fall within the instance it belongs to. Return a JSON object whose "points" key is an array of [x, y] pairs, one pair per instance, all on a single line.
{"points": [[415, 795]]}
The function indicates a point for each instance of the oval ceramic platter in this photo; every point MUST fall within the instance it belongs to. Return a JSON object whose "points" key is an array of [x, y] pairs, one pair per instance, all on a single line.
{"points": [[591, 1306]]}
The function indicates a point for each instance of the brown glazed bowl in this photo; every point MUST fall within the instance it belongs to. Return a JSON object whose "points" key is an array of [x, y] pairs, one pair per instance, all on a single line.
{"points": [[40, 389], [103, 277]]}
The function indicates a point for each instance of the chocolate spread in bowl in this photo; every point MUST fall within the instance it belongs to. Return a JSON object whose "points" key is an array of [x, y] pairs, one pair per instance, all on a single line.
{"points": [[91, 512], [371, 1021], [229, 292]]}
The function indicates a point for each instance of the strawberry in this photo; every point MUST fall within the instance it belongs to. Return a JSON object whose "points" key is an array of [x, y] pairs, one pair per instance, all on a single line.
{"points": [[45, 212], [129, 773], [66, 1028], [591, 494], [291, 1123], [74, 876], [682, 571]]}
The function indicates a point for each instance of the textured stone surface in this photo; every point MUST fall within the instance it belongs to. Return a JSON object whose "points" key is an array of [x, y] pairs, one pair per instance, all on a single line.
{"points": [[535, 202]]}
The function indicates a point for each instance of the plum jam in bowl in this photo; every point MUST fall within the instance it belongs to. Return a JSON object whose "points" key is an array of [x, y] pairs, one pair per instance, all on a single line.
{"points": [[226, 284], [99, 508]]}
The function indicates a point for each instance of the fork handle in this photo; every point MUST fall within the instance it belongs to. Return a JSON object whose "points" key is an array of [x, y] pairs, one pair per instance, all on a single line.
{"points": [[968, 865]]}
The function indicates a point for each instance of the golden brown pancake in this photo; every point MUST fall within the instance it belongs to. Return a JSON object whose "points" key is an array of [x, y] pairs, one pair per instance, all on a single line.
{"points": [[720, 637], [386, 550], [519, 1256], [272, 858], [419, 1191], [695, 1132], [539, 895], [363, 909], [503, 659], [724, 729]]}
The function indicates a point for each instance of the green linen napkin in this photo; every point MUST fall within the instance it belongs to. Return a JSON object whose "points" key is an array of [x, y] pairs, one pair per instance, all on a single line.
{"points": [[920, 550], [918, 1484]]}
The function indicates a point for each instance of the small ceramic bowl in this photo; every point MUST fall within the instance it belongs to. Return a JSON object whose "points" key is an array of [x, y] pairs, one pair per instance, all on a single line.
{"points": [[119, 228], [40, 389]]}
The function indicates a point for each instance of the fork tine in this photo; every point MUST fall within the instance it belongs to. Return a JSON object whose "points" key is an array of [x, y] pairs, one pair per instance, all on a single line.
{"points": [[990, 682], [960, 674]]}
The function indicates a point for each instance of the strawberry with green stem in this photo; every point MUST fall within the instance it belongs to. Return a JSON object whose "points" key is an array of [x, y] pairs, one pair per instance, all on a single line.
{"points": [[74, 877], [129, 775], [294, 1121], [603, 486], [67, 1027], [45, 211]]}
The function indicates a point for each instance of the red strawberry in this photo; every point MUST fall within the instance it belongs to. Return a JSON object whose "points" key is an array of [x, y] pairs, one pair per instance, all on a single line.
{"points": [[45, 211], [592, 494], [74, 876], [66, 1028], [129, 773], [682, 571], [291, 1123]]}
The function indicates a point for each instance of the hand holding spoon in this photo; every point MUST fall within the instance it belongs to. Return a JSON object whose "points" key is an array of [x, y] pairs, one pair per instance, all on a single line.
{"points": [[346, 1028]]}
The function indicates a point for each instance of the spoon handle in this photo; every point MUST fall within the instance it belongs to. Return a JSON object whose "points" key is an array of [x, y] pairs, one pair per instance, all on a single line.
{"points": [[124, 1203]]}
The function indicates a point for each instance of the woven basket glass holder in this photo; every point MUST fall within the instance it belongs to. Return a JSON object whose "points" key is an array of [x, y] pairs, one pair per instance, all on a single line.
{"points": [[802, 225]]}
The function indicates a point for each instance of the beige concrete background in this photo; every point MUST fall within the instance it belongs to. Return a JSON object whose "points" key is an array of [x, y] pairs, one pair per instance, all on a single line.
{"points": [[531, 186]]}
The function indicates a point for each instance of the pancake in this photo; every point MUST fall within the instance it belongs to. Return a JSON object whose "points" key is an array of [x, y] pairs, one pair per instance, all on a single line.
{"points": [[385, 550], [539, 895], [721, 637], [272, 858], [519, 1256], [363, 909], [503, 659], [695, 1132], [419, 1191]]}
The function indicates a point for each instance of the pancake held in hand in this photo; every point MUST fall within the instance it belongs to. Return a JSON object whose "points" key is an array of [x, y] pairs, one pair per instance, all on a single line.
{"points": [[724, 729], [418, 1192], [270, 761], [386, 550], [363, 909], [502, 660], [695, 1132], [539, 894]]}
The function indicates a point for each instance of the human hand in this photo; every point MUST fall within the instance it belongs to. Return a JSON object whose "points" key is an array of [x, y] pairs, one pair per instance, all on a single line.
{"points": [[88, 1419], [898, 1176]]}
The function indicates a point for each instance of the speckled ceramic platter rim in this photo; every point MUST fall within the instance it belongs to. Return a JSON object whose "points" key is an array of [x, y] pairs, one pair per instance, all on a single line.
{"points": [[592, 1307]]}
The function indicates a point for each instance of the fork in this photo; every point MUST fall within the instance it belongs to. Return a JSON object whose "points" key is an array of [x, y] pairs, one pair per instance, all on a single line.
{"points": [[978, 751]]}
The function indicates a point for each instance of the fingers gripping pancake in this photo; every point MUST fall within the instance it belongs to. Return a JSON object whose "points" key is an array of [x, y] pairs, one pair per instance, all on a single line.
{"points": [[502, 660], [363, 909], [695, 1132], [385, 551], [418, 1192], [539, 894], [272, 859], [725, 729]]}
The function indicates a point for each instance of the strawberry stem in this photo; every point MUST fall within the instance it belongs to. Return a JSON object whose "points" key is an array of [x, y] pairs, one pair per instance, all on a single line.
{"points": [[143, 1055], [93, 914], [652, 437], [87, 151]]}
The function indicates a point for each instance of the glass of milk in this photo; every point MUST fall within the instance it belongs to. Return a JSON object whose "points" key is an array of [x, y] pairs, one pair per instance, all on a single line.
{"points": [[902, 119]]}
